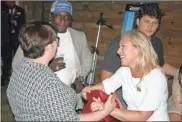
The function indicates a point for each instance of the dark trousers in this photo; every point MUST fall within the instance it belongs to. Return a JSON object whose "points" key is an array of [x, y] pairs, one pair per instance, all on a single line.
{"points": [[14, 42], [6, 58], [7, 53]]}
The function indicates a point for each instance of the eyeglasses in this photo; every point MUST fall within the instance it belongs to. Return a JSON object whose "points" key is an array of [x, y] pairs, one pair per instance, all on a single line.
{"points": [[57, 39]]}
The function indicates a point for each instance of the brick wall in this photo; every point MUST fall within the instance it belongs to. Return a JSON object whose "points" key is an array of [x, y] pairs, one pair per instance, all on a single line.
{"points": [[87, 13]]}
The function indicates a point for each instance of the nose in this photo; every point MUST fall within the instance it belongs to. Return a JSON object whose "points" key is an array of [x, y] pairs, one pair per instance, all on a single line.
{"points": [[150, 25], [61, 21], [119, 51]]}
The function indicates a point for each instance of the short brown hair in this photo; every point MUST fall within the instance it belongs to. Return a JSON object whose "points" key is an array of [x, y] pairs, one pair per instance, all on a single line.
{"points": [[34, 37], [150, 9]]}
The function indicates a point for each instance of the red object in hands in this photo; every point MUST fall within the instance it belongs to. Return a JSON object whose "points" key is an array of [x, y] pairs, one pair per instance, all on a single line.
{"points": [[103, 96]]}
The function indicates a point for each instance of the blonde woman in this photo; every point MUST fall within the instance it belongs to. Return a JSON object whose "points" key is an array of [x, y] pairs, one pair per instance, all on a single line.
{"points": [[144, 84]]}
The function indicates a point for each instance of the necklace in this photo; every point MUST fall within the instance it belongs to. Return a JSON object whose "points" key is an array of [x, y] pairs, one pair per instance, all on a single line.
{"points": [[138, 86]]}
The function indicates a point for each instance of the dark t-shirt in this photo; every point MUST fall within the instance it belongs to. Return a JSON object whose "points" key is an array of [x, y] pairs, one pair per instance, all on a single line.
{"points": [[112, 61], [158, 47]]}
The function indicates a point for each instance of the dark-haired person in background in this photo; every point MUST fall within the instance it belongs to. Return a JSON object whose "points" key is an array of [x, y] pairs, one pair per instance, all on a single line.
{"points": [[148, 21]]}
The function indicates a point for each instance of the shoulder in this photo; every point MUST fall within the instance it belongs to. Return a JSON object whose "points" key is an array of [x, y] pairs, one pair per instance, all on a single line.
{"points": [[157, 72], [123, 70], [114, 45], [49, 81], [54, 83], [19, 8], [156, 40], [116, 40], [157, 77], [74, 31]]}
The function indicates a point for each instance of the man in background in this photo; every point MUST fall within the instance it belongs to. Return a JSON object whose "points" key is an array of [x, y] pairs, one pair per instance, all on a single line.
{"points": [[72, 49], [16, 19], [5, 48]]}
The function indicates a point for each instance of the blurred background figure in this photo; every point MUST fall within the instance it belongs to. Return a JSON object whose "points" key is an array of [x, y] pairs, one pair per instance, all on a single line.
{"points": [[13, 18], [5, 45], [175, 100], [17, 20]]}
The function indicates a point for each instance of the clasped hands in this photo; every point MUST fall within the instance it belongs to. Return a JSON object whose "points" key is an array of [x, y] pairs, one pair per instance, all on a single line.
{"points": [[97, 105]]}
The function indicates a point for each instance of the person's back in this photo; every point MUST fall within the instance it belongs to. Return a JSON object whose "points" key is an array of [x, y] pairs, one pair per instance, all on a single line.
{"points": [[35, 93], [30, 89]]}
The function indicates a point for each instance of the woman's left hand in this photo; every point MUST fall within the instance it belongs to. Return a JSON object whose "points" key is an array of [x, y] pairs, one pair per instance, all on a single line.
{"points": [[96, 105]]}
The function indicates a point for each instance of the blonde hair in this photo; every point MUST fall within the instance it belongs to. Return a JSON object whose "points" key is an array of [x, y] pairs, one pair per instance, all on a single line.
{"points": [[147, 58]]}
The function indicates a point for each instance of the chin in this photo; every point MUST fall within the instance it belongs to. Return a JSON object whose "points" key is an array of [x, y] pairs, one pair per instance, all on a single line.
{"points": [[61, 30], [123, 65], [149, 34]]}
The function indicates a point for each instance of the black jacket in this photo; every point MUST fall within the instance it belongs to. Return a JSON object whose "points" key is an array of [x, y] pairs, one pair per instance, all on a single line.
{"points": [[18, 17]]}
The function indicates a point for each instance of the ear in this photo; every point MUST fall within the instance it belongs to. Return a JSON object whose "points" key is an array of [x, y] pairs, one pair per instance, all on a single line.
{"points": [[137, 22], [136, 51], [47, 48]]}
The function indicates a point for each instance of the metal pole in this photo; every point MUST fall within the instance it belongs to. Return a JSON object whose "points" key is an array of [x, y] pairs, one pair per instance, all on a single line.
{"points": [[91, 75]]}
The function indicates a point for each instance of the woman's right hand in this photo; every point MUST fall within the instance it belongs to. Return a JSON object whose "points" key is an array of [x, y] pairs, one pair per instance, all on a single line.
{"points": [[110, 104], [84, 92]]}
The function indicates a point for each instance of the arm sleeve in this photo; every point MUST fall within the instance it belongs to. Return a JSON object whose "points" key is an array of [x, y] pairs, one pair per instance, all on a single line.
{"points": [[59, 103], [156, 91], [111, 62], [86, 58], [114, 82], [177, 92]]}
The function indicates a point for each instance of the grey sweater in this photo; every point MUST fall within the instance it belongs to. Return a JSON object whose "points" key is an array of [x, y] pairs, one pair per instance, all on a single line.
{"points": [[35, 93]]}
